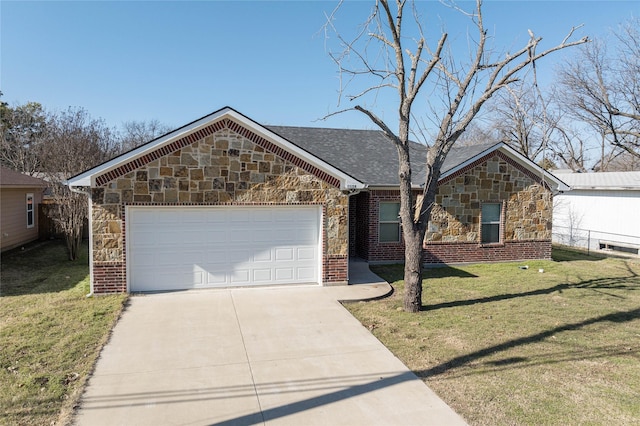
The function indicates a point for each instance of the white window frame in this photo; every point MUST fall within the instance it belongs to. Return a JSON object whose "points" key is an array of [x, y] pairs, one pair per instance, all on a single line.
{"points": [[30, 205], [498, 222], [387, 222]]}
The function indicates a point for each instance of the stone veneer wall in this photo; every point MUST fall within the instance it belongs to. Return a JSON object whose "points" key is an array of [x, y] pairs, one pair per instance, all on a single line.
{"points": [[222, 168], [453, 234]]}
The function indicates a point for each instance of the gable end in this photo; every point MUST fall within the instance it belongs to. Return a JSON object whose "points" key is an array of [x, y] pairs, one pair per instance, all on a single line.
{"points": [[536, 178], [207, 131]]}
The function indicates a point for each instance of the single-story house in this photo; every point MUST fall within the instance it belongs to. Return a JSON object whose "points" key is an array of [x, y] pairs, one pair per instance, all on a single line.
{"points": [[600, 212], [225, 201], [20, 196]]}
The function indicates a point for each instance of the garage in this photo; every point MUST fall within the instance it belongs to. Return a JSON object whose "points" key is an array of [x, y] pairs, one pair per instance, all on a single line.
{"points": [[177, 248]]}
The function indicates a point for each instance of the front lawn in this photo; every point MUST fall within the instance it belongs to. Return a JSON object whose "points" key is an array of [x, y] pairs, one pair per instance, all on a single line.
{"points": [[505, 345], [50, 333]]}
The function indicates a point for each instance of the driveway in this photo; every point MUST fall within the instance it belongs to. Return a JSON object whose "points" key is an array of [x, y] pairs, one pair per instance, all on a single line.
{"points": [[277, 356]]}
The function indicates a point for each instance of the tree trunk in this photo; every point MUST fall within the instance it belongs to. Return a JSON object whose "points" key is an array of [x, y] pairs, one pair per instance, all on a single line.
{"points": [[413, 271], [74, 241]]}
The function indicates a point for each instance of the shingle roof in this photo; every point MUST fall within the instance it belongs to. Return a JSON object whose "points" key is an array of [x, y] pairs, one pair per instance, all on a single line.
{"points": [[10, 178], [367, 155], [601, 180]]}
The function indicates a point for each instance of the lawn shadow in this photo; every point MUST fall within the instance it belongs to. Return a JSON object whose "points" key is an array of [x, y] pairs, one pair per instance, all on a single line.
{"points": [[600, 285], [41, 267], [462, 360], [446, 272]]}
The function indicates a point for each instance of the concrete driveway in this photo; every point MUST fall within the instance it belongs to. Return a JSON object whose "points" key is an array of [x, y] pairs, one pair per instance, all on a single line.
{"points": [[277, 356]]}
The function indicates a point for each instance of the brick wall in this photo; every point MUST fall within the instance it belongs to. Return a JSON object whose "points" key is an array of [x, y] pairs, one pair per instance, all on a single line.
{"points": [[438, 253], [109, 277]]}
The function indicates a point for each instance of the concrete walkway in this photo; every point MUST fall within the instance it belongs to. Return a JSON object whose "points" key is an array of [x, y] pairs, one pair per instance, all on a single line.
{"points": [[276, 356]]}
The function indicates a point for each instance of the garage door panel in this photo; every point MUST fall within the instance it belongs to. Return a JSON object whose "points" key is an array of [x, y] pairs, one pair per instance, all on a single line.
{"points": [[284, 254], [173, 259], [305, 274], [285, 274], [262, 255], [262, 275], [305, 253], [216, 278], [241, 276], [192, 247]]}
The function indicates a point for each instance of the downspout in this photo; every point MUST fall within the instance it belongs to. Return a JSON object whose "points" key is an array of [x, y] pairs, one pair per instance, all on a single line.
{"points": [[88, 194]]}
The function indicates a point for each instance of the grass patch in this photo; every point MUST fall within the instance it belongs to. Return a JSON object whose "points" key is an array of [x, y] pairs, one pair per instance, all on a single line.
{"points": [[50, 333], [506, 346]]}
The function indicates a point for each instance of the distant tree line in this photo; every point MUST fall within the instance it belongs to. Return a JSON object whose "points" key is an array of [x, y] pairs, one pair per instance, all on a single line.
{"points": [[58, 145]]}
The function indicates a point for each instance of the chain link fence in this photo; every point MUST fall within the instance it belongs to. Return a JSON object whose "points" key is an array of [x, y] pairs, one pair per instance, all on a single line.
{"points": [[594, 240]]}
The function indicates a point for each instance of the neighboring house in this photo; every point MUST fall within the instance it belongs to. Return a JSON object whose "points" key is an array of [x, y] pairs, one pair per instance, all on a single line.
{"points": [[20, 196], [600, 212], [225, 201]]}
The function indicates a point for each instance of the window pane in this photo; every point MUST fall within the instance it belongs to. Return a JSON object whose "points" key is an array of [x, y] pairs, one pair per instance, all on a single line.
{"points": [[29, 218], [389, 232], [491, 233], [490, 212], [389, 212]]}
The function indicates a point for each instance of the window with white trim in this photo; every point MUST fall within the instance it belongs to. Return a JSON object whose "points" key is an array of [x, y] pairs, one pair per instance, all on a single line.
{"points": [[490, 226], [389, 222], [30, 218]]}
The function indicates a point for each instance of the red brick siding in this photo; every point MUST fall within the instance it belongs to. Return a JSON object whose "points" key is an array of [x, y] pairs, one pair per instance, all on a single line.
{"points": [[109, 278], [335, 269], [438, 253], [377, 251]]}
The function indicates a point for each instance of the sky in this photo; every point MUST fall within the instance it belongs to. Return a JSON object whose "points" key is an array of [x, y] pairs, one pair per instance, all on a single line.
{"points": [[178, 61]]}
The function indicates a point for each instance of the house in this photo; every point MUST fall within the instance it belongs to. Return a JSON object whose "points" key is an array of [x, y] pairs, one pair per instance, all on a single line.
{"points": [[225, 201], [20, 196], [600, 211]]}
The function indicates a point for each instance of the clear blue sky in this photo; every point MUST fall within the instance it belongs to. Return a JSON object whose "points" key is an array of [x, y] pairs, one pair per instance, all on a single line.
{"points": [[178, 61]]}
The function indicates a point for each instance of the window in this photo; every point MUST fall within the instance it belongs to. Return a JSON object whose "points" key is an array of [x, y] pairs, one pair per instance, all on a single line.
{"points": [[30, 220], [389, 229], [490, 225]]}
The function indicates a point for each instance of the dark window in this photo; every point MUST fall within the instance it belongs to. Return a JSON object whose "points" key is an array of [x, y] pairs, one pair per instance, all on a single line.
{"points": [[30, 221], [490, 226], [389, 222]]}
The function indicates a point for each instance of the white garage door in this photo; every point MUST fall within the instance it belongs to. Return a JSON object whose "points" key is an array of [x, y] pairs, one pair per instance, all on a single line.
{"points": [[171, 248]]}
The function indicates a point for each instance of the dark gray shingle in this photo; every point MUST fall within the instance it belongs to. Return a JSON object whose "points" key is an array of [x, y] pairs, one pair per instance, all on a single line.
{"points": [[367, 155]]}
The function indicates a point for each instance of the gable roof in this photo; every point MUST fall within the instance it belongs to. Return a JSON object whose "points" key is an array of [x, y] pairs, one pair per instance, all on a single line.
{"points": [[602, 180], [371, 158], [353, 159], [12, 179]]}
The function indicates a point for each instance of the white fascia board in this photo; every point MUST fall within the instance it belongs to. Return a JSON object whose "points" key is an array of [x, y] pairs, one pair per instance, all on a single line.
{"points": [[554, 182], [87, 178]]}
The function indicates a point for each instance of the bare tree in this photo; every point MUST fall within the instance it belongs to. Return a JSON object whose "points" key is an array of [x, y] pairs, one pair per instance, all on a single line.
{"points": [[136, 133], [522, 119], [478, 135], [463, 87], [22, 131], [600, 88], [75, 142]]}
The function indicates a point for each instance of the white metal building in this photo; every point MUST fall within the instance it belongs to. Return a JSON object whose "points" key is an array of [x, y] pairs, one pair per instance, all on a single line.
{"points": [[600, 212]]}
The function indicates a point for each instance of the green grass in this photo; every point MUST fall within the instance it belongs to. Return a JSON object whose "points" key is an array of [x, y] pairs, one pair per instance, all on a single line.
{"points": [[510, 346], [50, 333]]}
